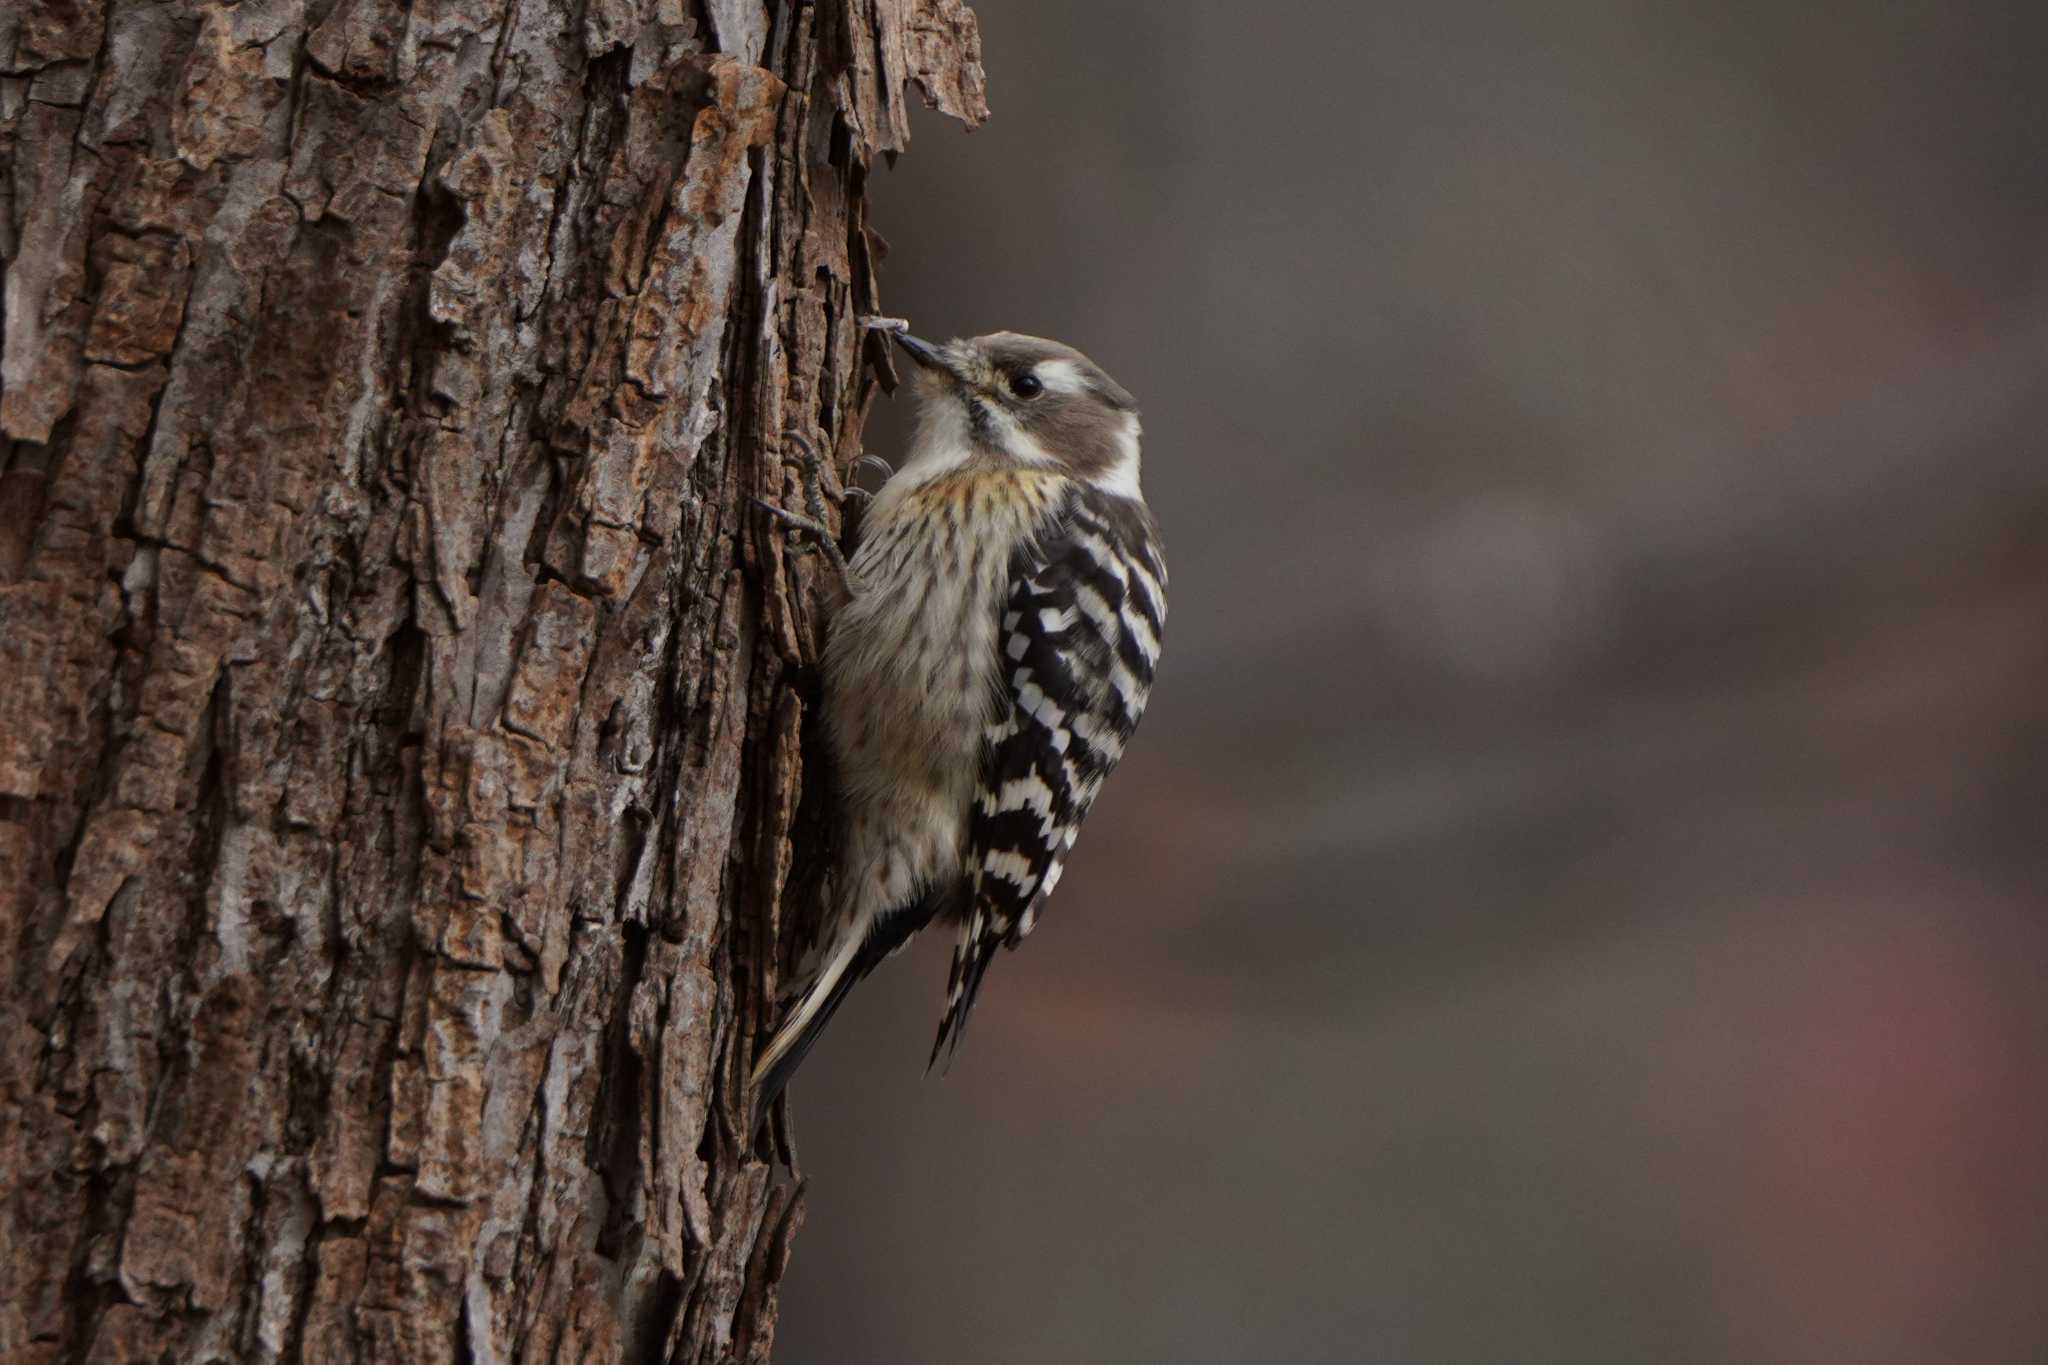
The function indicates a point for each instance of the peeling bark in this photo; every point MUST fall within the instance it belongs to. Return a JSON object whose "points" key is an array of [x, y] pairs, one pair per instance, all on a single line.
{"points": [[404, 722]]}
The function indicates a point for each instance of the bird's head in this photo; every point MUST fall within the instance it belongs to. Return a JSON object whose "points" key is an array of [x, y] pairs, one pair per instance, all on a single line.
{"points": [[1027, 401]]}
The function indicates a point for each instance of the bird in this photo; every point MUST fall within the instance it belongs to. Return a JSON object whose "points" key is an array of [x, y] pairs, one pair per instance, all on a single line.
{"points": [[1005, 601]]}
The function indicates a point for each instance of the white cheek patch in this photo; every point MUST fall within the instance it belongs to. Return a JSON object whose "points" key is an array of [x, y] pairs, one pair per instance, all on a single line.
{"points": [[1121, 478], [1015, 442], [1061, 377]]}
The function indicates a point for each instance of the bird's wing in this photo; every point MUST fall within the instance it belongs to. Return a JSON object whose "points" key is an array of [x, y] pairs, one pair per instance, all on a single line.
{"points": [[1079, 641]]}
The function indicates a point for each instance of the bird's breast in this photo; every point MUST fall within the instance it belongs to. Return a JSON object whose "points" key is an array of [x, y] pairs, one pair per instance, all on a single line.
{"points": [[910, 663]]}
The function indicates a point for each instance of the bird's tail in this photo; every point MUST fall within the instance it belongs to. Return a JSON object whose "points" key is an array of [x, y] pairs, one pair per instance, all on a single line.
{"points": [[971, 957], [852, 959]]}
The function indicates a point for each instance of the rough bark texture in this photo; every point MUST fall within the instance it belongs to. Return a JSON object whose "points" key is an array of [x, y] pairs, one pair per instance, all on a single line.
{"points": [[404, 713]]}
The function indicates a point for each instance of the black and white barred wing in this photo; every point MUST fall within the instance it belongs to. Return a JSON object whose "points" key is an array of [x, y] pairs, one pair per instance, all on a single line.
{"points": [[1079, 640]]}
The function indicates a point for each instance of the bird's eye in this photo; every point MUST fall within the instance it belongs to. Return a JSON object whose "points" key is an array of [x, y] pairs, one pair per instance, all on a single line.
{"points": [[1026, 384]]}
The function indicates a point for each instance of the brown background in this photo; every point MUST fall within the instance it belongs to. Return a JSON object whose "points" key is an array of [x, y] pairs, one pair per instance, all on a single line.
{"points": [[1576, 896]]}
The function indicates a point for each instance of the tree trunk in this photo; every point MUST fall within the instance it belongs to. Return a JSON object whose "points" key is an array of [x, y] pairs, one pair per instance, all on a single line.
{"points": [[404, 712]]}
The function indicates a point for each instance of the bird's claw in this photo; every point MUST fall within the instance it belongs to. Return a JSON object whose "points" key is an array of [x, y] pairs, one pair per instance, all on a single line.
{"points": [[810, 467]]}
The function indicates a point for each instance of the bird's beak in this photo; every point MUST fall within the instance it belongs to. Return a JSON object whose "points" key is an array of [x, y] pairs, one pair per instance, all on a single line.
{"points": [[923, 352]]}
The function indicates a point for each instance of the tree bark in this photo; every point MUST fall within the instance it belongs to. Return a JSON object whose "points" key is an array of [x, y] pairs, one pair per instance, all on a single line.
{"points": [[403, 717]]}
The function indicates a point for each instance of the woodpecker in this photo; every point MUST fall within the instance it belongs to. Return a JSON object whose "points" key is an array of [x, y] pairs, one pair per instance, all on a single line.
{"points": [[994, 654]]}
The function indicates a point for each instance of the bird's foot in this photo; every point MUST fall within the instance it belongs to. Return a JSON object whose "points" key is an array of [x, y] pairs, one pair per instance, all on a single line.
{"points": [[811, 475], [853, 493]]}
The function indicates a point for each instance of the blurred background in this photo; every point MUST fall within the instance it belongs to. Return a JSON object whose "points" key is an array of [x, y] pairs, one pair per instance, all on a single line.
{"points": [[1577, 895]]}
